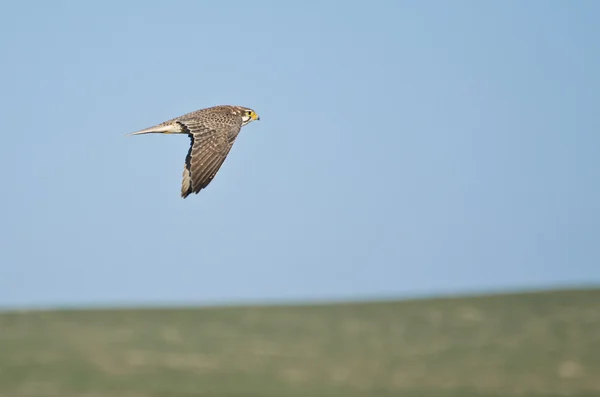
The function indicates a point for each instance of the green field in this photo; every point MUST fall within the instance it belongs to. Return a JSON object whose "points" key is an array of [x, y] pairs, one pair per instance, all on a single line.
{"points": [[534, 344]]}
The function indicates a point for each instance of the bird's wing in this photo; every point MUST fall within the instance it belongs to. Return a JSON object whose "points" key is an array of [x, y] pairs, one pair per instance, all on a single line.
{"points": [[210, 145]]}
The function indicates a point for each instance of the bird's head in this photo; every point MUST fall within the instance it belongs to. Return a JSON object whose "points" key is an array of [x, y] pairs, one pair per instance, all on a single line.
{"points": [[248, 115]]}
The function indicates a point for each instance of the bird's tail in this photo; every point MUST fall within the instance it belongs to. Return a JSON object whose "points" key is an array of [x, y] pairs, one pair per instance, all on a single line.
{"points": [[173, 128]]}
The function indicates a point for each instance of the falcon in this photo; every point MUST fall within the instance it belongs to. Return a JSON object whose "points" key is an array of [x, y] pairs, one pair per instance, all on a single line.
{"points": [[212, 132]]}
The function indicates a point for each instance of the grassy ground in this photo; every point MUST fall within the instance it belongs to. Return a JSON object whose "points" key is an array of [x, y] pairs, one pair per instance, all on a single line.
{"points": [[539, 344]]}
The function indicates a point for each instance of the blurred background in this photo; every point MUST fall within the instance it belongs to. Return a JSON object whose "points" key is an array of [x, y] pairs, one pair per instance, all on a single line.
{"points": [[433, 151]]}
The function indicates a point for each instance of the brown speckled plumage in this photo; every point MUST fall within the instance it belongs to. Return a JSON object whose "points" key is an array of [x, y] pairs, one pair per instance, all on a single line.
{"points": [[212, 132]]}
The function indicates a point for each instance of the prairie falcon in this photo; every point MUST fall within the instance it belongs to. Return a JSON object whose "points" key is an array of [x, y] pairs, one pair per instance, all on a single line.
{"points": [[212, 132]]}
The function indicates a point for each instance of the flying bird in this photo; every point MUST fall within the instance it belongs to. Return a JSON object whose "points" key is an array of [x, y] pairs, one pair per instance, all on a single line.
{"points": [[212, 132]]}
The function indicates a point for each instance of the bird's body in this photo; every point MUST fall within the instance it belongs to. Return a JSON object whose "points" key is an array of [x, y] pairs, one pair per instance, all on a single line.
{"points": [[212, 132]]}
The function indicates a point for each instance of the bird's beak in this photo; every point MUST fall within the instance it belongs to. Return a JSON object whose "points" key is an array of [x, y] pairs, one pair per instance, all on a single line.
{"points": [[255, 116]]}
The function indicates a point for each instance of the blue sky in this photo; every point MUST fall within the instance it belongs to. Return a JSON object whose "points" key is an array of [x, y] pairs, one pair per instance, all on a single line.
{"points": [[404, 148]]}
